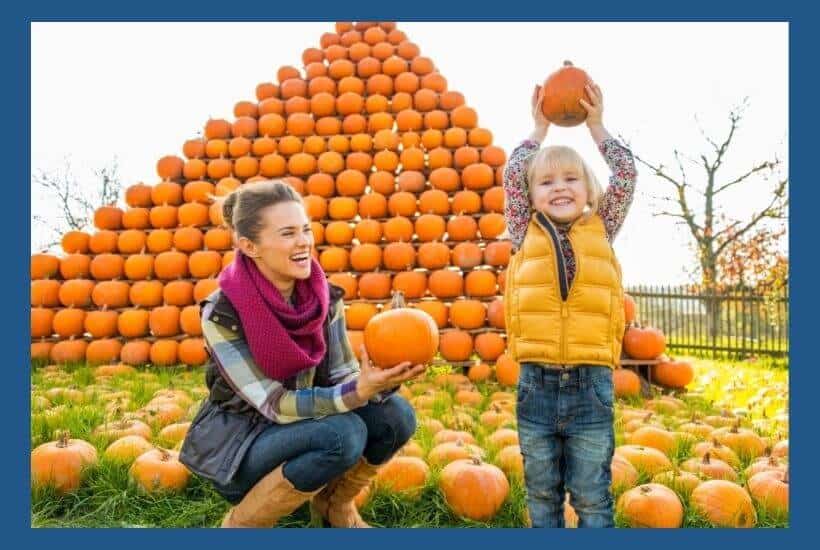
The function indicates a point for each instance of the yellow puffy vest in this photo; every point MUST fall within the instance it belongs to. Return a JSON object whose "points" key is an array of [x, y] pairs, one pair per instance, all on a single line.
{"points": [[549, 322]]}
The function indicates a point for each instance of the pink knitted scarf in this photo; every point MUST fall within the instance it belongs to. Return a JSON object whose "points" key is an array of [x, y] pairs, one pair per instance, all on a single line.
{"points": [[283, 339]]}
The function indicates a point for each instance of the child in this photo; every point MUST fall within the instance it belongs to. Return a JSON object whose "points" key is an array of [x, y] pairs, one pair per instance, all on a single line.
{"points": [[565, 318]]}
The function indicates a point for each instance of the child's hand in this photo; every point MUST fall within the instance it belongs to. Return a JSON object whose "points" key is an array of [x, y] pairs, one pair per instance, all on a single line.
{"points": [[595, 107], [541, 122]]}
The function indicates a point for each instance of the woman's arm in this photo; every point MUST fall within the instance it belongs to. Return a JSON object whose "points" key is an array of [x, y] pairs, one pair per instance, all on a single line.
{"points": [[271, 398]]}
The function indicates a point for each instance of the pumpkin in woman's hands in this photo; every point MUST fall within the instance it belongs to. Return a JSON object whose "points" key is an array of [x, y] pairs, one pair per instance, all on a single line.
{"points": [[401, 334]]}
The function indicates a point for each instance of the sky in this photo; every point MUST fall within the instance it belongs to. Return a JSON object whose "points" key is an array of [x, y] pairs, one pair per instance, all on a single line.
{"points": [[135, 91]]}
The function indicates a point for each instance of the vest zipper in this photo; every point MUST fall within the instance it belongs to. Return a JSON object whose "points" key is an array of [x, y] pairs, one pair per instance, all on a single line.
{"points": [[563, 282]]}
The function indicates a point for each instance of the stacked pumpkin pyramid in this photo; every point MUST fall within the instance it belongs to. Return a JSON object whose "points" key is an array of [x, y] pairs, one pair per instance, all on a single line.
{"points": [[401, 183]]}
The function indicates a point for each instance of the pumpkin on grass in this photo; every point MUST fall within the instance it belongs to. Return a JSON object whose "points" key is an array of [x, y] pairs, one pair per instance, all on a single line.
{"points": [[511, 461], [386, 335], [449, 451], [770, 490], [680, 481], [645, 459], [651, 505], [626, 382], [159, 470], [624, 474], [673, 374], [403, 474], [127, 448], [723, 504], [121, 428], [474, 489], [60, 464]]}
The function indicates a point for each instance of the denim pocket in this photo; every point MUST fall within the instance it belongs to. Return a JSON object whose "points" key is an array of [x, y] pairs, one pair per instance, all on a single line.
{"points": [[603, 389], [526, 382]]}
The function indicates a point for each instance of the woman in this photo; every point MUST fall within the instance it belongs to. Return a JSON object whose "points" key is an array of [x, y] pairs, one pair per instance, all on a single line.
{"points": [[291, 415]]}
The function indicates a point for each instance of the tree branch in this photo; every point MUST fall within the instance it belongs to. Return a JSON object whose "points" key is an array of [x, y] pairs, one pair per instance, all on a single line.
{"points": [[773, 211], [754, 170]]}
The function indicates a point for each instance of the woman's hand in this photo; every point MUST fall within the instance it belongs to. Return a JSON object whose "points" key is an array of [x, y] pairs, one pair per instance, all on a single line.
{"points": [[541, 122], [373, 380]]}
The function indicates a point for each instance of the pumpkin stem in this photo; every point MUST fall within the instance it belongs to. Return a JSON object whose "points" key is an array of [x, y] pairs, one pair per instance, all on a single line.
{"points": [[476, 459], [165, 456], [645, 489], [64, 437], [706, 458], [398, 300], [567, 63], [786, 477], [767, 451]]}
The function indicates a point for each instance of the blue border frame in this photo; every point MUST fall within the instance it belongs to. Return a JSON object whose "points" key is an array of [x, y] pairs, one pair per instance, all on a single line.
{"points": [[803, 132]]}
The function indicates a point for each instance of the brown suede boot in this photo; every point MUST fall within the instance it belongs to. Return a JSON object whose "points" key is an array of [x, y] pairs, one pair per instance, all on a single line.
{"points": [[271, 498], [335, 502]]}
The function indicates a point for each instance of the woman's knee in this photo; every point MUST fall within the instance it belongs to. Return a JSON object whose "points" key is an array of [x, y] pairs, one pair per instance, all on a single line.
{"points": [[347, 436], [402, 418]]}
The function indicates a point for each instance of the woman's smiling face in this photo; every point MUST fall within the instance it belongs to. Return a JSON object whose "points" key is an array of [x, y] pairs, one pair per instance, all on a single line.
{"points": [[560, 193], [284, 244]]}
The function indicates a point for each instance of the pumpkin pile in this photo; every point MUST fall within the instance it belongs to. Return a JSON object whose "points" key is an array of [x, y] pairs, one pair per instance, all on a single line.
{"points": [[400, 181]]}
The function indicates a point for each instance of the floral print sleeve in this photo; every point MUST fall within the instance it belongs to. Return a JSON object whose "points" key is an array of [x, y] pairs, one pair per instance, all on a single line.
{"points": [[621, 189], [516, 191]]}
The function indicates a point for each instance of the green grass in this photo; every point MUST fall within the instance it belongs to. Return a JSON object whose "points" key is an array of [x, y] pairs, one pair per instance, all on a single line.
{"points": [[107, 498]]}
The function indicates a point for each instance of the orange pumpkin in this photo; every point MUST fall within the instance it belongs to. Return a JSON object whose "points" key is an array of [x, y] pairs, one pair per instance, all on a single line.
{"points": [[474, 489], [651, 505], [563, 91], [723, 504], [159, 470], [626, 382], [60, 464], [673, 374], [644, 342], [385, 336]]}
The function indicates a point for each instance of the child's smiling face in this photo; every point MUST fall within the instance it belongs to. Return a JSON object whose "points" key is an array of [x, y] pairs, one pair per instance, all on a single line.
{"points": [[560, 193]]}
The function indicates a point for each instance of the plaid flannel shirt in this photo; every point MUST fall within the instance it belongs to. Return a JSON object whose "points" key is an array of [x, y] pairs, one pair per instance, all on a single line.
{"points": [[230, 352]]}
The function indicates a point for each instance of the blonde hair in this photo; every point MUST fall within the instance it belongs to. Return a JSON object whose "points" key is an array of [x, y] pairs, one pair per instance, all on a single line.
{"points": [[558, 157]]}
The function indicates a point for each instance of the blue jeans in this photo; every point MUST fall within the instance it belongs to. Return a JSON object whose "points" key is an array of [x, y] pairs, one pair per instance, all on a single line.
{"points": [[567, 440], [318, 450]]}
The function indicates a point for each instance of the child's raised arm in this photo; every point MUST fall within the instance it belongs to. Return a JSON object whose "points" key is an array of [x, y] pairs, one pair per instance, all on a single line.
{"points": [[618, 195], [516, 188]]}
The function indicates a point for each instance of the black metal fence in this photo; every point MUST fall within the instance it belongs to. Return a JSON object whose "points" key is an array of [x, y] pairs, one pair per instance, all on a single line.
{"points": [[738, 323]]}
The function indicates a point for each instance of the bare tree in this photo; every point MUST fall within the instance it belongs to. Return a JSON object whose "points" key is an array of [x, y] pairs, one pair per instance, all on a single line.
{"points": [[75, 201], [716, 234], [712, 230]]}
